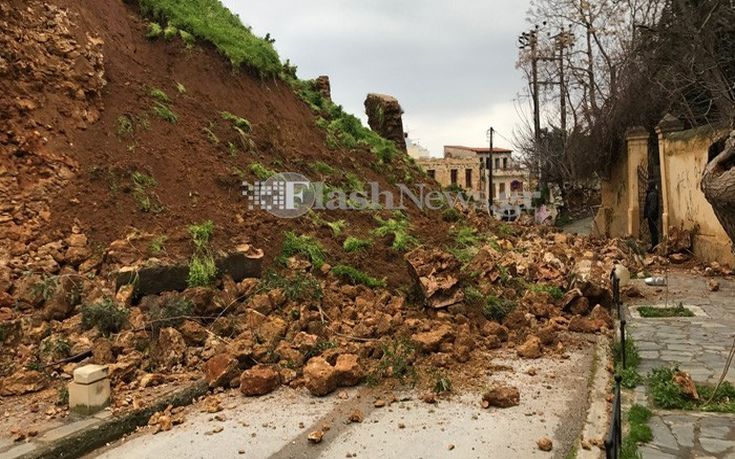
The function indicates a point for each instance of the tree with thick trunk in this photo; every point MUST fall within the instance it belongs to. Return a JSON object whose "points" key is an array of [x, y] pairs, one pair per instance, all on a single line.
{"points": [[718, 185]]}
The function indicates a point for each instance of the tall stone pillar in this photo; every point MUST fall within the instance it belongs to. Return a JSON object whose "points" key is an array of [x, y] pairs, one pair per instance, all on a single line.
{"points": [[384, 117], [637, 143], [667, 125]]}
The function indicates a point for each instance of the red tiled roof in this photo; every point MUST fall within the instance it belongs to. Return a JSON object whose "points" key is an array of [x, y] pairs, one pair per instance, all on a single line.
{"points": [[480, 150]]}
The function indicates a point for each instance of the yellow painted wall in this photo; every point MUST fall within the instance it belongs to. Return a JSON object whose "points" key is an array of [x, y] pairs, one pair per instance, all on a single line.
{"points": [[685, 157]]}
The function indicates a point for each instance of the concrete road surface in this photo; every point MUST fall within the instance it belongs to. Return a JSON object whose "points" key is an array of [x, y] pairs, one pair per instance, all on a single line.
{"points": [[553, 403]]}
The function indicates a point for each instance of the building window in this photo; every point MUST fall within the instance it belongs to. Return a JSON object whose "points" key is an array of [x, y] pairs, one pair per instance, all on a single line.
{"points": [[505, 163], [497, 163], [501, 190], [453, 174], [468, 178], [431, 173], [517, 186]]}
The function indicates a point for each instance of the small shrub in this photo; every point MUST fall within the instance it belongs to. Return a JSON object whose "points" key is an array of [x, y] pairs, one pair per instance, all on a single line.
{"points": [[171, 313], [142, 188], [57, 348], [497, 308], [154, 31], [303, 245], [180, 88], [555, 292], [201, 234], [105, 316], [164, 112], [160, 95], [202, 271], [45, 287], [337, 226], [170, 32], [261, 172], [211, 136], [63, 396], [353, 244], [297, 288], [158, 244], [451, 215], [125, 126], [397, 361], [398, 227], [354, 276], [237, 121], [322, 168]]}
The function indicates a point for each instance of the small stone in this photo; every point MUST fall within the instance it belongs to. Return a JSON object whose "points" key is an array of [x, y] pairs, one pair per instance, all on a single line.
{"points": [[713, 285], [316, 436], [544, 443], [501, 396], [356, 416], [379, 403], [530, 349]]}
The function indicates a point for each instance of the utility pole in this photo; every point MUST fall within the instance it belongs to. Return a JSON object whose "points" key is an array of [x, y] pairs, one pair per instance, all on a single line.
{"points": [[490, 133], [562, 43], [529, 40]]}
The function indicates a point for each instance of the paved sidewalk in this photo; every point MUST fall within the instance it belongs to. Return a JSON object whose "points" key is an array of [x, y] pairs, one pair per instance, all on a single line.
{"points": [[699, 345]]}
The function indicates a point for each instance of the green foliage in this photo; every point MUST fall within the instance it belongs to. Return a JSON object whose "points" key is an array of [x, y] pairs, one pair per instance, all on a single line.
{"points": [[353, 244], [154, 31], [209, 20], [158, 244], [353, 183], [164, 112], [337, 226], [354, 276], [397, 361], [202, 271], [299, 287], [451, 215], [466, 243], [652, 312], [667, 394], [554, 291], [398, 227], [45, 287], [170, 32], [211, 136], [237, 121], [201, 234], [497, 308], [63, 396], [125, 126], [202, 268], [105, 316], [187, 38], [319, 348], [322, 168], [638, 432], [160, 95], [442, 383], [261, 172], [630, 375], [505, 229], [142, 187], [57, 348], [303, 245], [171, 313]]}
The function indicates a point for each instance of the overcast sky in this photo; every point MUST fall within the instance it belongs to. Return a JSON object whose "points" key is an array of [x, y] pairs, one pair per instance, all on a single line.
{"points": [[450, 64]]}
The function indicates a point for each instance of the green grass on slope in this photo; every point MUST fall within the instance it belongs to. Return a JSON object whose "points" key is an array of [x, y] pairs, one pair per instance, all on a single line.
{"points": [[209, 20]]}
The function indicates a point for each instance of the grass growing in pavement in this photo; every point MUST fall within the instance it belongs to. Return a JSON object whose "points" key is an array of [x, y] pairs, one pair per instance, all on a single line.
{"points": [[652, 312], [209, 20], [667, 394], [638, 431], [354, 276], [303, 245], [631, 377]]}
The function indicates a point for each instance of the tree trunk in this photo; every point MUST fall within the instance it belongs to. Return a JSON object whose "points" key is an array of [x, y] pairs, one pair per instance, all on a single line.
{"points": [[718, 185]]}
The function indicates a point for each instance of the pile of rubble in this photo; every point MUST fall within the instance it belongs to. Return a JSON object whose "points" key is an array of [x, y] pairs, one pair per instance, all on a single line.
{"points": [[249, 335]]}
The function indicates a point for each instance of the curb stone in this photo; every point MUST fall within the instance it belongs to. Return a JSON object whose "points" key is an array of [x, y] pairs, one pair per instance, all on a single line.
{"points": [[96, 431]]}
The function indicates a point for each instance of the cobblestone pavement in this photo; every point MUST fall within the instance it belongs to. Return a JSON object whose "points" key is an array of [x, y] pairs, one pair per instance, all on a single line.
{"points": [[699, 345]]}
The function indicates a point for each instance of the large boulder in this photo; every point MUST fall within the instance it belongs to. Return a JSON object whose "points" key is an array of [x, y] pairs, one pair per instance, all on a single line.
{"points": [[431, 340], [220, 370], [437, 273], [321, 377]]}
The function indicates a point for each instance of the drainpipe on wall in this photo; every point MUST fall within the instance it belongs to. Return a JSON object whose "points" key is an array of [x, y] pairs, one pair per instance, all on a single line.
{"points": [[667, 125]]}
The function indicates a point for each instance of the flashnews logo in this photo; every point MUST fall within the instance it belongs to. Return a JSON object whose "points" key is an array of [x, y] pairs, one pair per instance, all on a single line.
{"points": [[286, 195]]}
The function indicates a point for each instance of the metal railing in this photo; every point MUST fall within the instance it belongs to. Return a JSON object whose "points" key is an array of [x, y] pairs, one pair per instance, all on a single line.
{"points": [[614, 440]]}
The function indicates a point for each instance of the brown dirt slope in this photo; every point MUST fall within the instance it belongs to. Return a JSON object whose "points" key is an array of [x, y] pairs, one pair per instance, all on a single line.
{"points": [[92, 161]]}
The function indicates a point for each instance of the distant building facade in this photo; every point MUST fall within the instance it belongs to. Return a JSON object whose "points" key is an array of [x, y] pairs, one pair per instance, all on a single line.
{"points": [[468, 168]]}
